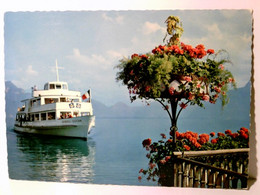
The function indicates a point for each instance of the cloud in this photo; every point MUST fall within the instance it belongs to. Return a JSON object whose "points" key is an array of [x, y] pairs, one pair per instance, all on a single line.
{"points": [[92, 59], [149, 28], [115, 54], [30, 71], [118, 19], [214, 31]]}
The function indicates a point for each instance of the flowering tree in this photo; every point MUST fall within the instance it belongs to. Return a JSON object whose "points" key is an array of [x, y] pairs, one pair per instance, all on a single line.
{"points": [[176, 74]]}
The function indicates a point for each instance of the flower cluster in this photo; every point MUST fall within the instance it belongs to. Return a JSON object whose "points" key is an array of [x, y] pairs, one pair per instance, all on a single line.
{"points": [[161, 152], [172, 71], [197, 52]]}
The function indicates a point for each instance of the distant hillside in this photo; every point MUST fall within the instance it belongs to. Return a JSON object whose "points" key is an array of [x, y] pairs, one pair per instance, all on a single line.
{"points": [[13, 96], [237, 109]]}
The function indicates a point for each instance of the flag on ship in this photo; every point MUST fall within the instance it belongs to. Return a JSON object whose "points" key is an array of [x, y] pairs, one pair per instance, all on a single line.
{"points": [[86, 95]]}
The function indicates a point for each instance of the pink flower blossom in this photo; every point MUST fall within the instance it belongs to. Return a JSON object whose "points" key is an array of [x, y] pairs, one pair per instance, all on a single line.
{"points": [[171, 90], [221, 66], [217, 89], [187, 78], [205, 97]]}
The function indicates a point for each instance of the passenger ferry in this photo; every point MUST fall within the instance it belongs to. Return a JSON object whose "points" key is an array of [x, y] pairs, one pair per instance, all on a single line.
{"points": [[56, 111]]}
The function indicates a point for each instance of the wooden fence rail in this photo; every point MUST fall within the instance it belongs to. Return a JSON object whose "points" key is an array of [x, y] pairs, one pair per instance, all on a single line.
{"points": [[192, 173]]}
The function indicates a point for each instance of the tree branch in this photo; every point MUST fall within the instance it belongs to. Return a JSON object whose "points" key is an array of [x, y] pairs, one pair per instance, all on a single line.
{"points": [[165, 108], [181, 110]]}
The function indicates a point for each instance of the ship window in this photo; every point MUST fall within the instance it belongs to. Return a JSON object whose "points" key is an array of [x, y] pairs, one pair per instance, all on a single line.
{"points": [[51, 116], [52, 86], [43, 116], [17, 117], [50, 100], [32, 117], [62, 99], [65, 115], [58, 86], [85, 113], [74, 100], [46, 87], [64, 86], [36, 117]]}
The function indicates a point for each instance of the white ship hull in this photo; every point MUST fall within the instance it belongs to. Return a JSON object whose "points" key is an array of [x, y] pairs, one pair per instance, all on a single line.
{"points": [[78, 127]]}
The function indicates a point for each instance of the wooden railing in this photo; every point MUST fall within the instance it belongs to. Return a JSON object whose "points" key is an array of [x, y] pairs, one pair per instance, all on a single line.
{"points": [[213, 172]]}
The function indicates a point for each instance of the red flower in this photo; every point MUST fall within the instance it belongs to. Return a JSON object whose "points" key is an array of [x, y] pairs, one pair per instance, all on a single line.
{"points": [[141, 170], [147, 88], [234, 135], [152, 165], [139, 178], [134, 55], [166, 107], [200, 46], [132, 72], [204, 136], [144, 56], [187, 78], [182, 105], [244, 129], [205, 97], [212, 134], [191, 96], [221, 134], [170, 140], [210, 51], [163, 135], [202, 140], [171, 90], [217, 89], [197, 145], [214, 141], [228, 132], [244, 135], [167, 158], [147, 142], [187, 147]]}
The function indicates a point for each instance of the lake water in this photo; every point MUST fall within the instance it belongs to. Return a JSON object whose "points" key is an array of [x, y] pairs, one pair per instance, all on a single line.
{"points": [[113, 153]]}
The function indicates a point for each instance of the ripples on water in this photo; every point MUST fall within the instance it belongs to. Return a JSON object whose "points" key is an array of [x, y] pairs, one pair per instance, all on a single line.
{"points": [[50, 159]]}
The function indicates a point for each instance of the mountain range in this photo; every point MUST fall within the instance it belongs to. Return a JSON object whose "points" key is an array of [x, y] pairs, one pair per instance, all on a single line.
{"points": [[238, 109]]}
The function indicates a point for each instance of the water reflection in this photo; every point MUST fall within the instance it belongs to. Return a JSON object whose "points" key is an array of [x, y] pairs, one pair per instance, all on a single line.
{"points": [[50, 159]]}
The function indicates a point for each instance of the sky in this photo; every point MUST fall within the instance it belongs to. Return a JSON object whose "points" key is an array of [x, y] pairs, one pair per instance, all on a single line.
{"points": [[89, 44]]}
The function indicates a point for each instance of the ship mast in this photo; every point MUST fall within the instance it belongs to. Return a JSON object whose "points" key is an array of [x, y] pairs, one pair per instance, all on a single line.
{"points": [[57, 71]]}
